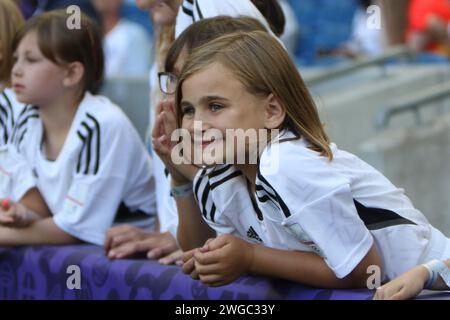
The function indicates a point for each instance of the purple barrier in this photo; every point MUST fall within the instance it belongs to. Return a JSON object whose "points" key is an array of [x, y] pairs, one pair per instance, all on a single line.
{"points": [[41, 272]]}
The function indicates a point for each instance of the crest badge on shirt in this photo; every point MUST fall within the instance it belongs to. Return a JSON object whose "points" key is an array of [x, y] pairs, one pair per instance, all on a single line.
{"points": [[75, 198]]}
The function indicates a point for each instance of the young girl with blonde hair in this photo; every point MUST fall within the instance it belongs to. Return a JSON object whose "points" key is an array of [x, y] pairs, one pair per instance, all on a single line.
{"points": [[305, 211]]}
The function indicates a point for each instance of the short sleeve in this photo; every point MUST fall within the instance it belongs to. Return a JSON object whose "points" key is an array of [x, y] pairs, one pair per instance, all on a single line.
{"points": [[318, 209], [123, 176]]}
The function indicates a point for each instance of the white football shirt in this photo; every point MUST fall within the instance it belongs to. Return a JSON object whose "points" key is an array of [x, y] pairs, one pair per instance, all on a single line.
{"points": [[12, 186], [102, 166], [336, 209]]}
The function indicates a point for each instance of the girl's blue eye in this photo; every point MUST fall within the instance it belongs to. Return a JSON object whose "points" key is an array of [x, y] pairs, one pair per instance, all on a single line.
{"points": [[215, 107]]}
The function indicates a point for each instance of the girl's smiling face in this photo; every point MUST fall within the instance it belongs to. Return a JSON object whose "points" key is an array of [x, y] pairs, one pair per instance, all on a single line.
{"points": [[36, 80], [219, 101]]}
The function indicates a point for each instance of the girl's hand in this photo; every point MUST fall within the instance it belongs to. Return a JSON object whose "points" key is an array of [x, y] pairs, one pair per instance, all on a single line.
{"points": [[165, 125], [406, 286], [223, 260], [188, 266], [15, 215], [125, 241]]}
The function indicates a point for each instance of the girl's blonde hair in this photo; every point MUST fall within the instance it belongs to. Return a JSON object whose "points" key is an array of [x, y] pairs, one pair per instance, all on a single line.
{"points": [[11, 20], [263, 66]]}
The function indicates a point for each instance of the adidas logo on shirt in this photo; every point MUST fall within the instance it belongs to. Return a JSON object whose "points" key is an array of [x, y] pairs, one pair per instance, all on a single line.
{"points": [[251, 233]]}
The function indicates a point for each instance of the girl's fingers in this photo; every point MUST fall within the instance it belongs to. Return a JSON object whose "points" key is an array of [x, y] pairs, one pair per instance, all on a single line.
{"points": [[186, 256], [172, 258], [188, 267], [120, 239], [158, 127], [9, 216], [207, 269], [6, 219], [211, 279], [208, 258]]}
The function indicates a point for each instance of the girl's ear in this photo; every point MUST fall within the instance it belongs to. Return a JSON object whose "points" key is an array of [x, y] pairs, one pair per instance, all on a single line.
{"points": [[74, 74], [274, 113]]}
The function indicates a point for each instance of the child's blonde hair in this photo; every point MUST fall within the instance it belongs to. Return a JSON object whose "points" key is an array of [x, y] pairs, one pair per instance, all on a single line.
{"points": [[11, 20], [263, 66]]}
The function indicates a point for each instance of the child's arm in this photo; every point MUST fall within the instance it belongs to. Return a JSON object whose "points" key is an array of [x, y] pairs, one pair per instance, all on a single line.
{"points": [[192, 230], [30, 208], [34, 201], [440, 284], [409, 285], [40, 232], [226, 258]]}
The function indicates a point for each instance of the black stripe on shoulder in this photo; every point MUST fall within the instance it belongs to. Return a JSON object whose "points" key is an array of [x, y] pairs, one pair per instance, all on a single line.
{"points": [[225, 179], [199, 12], [190, 1], [80, 155], [9, 105], [4, 127], [98, 141], [198, 183], [282, 205], [213, 212], [376, 218], [218, 172], [22, 136], [189, 12], [88, 143], [4, 111], [18, 133], [89, 156], [204, 199], [8, 101], [260, 188]]}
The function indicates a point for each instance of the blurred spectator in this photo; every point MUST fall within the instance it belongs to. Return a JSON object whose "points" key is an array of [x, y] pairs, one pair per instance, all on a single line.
{"points": [[127, 44], [365, 40], [291, 32], [429, 26]]}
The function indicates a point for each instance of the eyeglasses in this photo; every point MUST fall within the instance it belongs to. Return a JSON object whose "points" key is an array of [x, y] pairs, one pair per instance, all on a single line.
{"points": [[167, 82]]}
